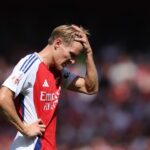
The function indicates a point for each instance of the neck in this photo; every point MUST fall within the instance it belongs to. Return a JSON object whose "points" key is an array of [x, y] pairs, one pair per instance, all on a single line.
{"points": [[47, 55]]}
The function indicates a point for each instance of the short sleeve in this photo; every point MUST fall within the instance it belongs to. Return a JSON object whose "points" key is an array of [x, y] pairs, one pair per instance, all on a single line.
{"points": [[67, 77], [17, 78]]}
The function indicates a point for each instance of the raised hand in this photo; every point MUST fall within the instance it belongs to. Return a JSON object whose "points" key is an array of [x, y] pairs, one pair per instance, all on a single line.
{"points": [[82, 38]]}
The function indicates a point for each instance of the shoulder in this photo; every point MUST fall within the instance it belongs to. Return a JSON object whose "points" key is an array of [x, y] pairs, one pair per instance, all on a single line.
{"points": [[26, 62]]}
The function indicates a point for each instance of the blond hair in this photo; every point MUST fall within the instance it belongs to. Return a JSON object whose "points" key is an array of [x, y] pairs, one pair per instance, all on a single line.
{"points": [[66, 33]]}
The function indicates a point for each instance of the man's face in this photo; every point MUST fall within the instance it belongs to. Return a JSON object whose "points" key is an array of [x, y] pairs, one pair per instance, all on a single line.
{"points": [[66, 55]]}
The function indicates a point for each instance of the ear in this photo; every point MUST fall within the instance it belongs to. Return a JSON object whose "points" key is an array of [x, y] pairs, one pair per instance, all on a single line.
{"points": [[57, 43]]}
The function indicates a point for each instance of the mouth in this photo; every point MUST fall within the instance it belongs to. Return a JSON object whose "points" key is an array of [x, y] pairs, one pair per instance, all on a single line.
{"points": [[64, 64]]}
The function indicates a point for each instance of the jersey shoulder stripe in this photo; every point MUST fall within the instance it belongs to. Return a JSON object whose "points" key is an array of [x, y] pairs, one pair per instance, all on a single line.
{"points": [[28, 62]]}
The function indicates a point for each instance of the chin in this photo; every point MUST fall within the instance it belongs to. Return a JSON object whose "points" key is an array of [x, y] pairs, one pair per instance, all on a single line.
{"points": [[59, 68]]}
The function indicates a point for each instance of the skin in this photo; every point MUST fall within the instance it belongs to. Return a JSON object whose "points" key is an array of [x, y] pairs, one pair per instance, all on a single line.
{"points": [[7, 107], [65, 55], [58, 55]]}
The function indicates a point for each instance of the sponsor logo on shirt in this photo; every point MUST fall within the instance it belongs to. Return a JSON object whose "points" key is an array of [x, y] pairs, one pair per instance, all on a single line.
{"points": [[50, 99]]}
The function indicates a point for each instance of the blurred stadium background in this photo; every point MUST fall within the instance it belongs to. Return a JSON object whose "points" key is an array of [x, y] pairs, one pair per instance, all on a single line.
{"points": [[118, 117]]}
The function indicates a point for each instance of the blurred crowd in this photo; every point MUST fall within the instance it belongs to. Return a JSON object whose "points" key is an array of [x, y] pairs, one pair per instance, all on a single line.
{"points": [[117, 118]]}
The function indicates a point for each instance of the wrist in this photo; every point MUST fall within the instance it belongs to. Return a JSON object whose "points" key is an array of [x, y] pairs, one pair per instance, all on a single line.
{"points": [[89, 52], [24, 130]]}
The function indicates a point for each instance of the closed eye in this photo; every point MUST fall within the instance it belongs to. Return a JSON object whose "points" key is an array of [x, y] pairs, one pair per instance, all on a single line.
{"points": [[73, 56]]}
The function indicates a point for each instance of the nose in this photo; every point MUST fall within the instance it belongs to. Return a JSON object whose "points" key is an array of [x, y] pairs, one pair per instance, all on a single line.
{"points": [[72, 61]]}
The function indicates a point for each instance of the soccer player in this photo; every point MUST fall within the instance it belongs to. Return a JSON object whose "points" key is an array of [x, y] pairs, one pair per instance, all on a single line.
{"points": [[30, 95]]}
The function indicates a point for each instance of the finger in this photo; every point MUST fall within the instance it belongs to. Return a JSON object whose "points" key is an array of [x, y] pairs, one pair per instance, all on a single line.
{"points": [[39, 121], [42, 129], [40, 133], [78, 39], [81, 40], [42, 126], [79, 34], [76, 28]]}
